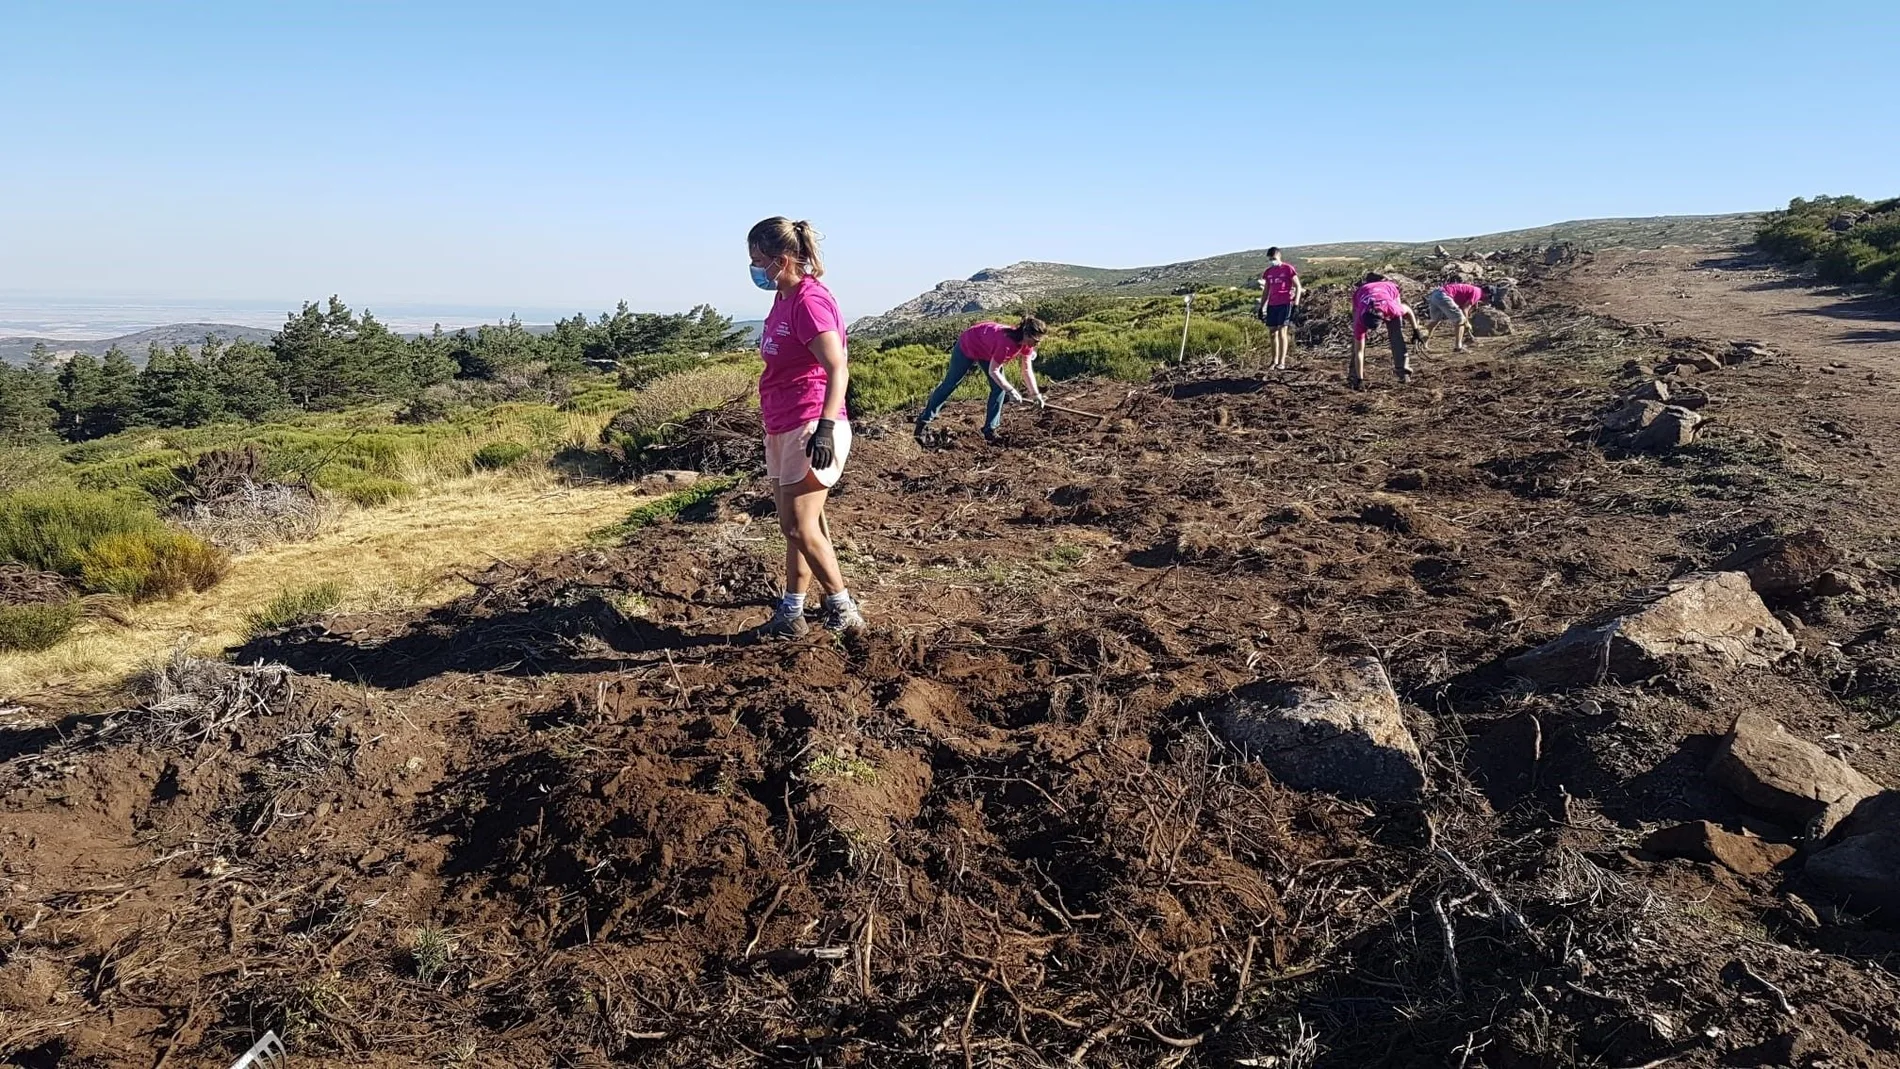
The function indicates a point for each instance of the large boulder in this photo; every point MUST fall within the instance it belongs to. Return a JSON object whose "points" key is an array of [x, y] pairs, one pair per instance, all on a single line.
{"points": [[1710, 620], [1342, 733], [1787, 776], [1505, 293], [1634, 415], [1489, 322], [1463, 271], [1673, 428], [1785, 567], [1862, 871]]}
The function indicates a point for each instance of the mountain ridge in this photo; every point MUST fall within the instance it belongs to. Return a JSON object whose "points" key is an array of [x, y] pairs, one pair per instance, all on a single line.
{"points": [[995, 289]]}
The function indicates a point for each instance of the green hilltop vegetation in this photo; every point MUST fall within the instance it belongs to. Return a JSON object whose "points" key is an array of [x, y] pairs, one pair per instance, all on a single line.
{"points": [[1846, 240]]}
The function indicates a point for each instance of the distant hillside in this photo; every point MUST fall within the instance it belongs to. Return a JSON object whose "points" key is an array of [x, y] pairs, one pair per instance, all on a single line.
{"points": [[1001, 288], [14, 350]]}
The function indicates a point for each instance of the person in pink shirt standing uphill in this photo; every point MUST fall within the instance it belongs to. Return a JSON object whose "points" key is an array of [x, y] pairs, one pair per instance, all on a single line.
{"points": [[990, 346], [1452, 303], [801, 401], [1377, 300], [1280, 293]]}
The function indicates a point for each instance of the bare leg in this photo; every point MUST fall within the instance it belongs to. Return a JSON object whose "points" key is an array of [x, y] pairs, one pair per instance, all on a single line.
{"points": [[808, 549], [1356, 366]]}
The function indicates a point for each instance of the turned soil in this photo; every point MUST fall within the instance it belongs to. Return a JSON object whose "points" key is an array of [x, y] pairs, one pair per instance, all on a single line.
{"points": [[583, 817]]}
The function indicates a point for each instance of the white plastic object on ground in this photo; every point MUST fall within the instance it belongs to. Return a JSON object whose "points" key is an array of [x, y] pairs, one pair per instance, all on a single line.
{"points": [[267, 1053]]}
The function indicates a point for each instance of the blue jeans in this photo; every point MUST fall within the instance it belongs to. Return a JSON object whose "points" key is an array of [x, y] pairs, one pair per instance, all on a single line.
{"points": [[960, 366]]}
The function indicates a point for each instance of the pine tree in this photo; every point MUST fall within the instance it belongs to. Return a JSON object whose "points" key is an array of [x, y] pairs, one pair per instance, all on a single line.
{"points": [[76, 397], [26, 410], [175, 390], [248, 378], [117, 406]]}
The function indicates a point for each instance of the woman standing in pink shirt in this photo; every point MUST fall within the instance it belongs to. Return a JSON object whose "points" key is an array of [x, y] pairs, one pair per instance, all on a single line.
{"points": [[1377, 300], [801, 401], [990, 346]]}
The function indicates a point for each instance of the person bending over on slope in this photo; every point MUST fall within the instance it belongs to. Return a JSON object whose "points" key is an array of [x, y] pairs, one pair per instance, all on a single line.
{"points": [[990, 346], [1280, 293], [1452, 303], [801, 401], [1378, 300]]}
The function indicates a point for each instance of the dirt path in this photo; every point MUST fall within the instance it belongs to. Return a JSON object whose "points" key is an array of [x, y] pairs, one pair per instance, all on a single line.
{"points": [[1730, 293]]}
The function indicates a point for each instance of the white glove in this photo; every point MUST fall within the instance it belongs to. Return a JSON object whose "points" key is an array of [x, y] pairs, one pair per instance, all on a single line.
{"points": [[1042, 401], [1015, 396]]}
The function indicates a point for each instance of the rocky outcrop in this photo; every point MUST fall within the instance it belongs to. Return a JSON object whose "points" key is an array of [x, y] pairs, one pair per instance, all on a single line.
{"points": [[1489, 322], [1342, 733], [1787, 777], [1709, 620]]}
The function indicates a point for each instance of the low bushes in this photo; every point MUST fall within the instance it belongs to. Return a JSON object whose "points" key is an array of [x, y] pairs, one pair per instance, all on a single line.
{"points": [[496, 456], [664, 509], [1849, 240], [148, 564], [49, 530], [363, 489], [292, 607], [671, 398], [37, 626]]}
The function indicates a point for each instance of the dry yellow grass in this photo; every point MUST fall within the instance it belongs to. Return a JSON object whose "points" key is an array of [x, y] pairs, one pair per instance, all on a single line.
{"points": [[396, 556]]}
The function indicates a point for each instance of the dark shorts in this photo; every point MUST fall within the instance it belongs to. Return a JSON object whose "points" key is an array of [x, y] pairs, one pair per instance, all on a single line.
{"points": [[1278, 315]]}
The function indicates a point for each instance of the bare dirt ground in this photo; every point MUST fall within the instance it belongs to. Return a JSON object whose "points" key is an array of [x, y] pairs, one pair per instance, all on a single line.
{"points": [[580, 817]]}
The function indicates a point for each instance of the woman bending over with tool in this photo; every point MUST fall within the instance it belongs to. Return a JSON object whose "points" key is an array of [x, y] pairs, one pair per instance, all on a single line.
{"points": [[990, 346], [801, 401]]}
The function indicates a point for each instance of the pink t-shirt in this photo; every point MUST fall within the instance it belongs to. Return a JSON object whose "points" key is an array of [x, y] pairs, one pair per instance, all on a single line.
{"points": [[1383, 297], [1279, 279], [792, 390], [1464, 294], [990, 343]]}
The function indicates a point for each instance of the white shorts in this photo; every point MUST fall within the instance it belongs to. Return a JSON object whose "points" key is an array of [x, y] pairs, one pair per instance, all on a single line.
{"points": [[1442, 308], [787, 464]]}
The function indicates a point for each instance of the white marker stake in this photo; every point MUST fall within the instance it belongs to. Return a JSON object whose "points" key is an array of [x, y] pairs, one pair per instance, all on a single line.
{"points": [[1189, 300]]}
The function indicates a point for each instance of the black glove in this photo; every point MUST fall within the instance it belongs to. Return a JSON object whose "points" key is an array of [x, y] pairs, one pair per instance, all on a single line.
{"points": [[819, 448]]}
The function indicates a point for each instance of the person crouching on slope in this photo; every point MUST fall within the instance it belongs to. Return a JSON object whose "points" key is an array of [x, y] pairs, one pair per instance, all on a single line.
{"points": [[1378, 300], [990, 346], [801, 402], [1452, 303], [1280, 293]]}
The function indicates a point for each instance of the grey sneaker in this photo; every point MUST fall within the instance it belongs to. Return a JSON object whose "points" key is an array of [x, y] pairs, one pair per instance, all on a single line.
{"points": [[785, 625], [844, 618]]}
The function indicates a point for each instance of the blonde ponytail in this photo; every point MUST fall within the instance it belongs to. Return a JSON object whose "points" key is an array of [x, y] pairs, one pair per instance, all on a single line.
{"points": [[779, 238]]}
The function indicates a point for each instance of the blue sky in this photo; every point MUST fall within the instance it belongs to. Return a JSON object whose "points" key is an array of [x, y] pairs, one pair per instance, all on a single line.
{"points": [[571, 154]]}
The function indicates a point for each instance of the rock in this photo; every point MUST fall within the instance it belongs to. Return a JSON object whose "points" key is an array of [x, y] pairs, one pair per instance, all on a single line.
{"points": [[1787, 776], [671, 477], [1505, 294], [1463, 271], [1489, 322], [1652, 390], [1342, 734], [1673, 428], [1835, 583], [1633, 416], [1710, 620], [1783, 567], [1561, 253], [1439, 251], [1862, 871], [1746, 349], [1700, 361], [1700, 840], [1845, 221]]}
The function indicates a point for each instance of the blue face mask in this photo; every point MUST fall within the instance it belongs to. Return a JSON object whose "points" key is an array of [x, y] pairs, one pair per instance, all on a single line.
{"points": [[761, 279]]}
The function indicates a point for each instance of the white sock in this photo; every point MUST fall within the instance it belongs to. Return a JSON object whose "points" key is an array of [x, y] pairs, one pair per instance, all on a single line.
{"points": [[840, 600], [792, 604]]}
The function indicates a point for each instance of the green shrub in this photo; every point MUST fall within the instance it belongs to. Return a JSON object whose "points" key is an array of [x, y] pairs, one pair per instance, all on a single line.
{"points": [[359, 488], [37, 626], [664, 509], [891, 380], [498, 455], [50, 529], [143, 565], [292, 607], [671, 398]]}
